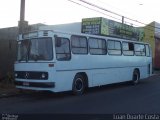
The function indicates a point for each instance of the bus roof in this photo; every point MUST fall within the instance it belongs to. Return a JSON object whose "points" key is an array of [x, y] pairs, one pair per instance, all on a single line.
{"points": [[80, 34]]}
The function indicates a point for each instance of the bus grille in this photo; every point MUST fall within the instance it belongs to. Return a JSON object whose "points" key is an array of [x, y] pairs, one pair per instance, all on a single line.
{"points": [[31, 75]]}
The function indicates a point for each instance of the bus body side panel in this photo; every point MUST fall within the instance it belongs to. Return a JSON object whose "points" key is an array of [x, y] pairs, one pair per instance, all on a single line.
{"points": [[67, 70], [145, 65], [64, 80], [109, 69]]}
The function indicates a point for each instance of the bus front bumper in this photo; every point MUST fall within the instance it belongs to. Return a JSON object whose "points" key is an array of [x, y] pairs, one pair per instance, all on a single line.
{"points": [[35, 84]]}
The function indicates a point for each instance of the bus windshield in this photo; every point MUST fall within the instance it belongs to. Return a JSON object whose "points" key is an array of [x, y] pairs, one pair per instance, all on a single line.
{"points": [[35, 49]]}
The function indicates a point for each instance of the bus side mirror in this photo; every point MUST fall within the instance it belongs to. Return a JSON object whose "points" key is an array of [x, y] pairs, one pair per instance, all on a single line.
{"points": [[58, 41]]}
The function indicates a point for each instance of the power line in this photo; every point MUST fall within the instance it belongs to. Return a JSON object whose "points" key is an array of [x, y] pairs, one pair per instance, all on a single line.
{"points": [[104, 3], [109, 15], [91, 4], [99, 7], [84, 1], [98, 11], [94, 10]]}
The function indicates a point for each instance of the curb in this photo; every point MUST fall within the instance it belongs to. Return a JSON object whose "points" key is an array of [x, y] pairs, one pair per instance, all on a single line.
{"points": [[153, 75]]}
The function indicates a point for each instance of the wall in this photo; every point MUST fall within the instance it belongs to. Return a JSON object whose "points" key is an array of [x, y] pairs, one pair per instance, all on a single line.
{"points": [[149, 36], [8, 48]]}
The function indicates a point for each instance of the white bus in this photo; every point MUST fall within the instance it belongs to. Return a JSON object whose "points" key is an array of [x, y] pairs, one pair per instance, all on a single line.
{"points": [[57, 61]]}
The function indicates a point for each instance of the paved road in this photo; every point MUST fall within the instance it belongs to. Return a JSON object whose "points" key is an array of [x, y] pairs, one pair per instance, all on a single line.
{"points": [[121, 98]]}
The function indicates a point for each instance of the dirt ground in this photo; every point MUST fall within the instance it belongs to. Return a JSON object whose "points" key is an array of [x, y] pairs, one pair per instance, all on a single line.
{"points": [[7, 87]]}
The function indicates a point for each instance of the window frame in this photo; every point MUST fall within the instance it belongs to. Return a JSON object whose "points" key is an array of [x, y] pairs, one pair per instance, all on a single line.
{"points": [[139, 51], [62, 53], [146, 45], [128, 50], [79, 47], [114, 49], [97, 48]]}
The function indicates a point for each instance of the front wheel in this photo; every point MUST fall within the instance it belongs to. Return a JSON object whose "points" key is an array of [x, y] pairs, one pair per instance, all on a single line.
{"points": [[78, 86], [136, 76]]}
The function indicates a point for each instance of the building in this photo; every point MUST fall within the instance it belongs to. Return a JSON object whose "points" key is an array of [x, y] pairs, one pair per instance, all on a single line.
{"points": [[152, 36], [7, 49], [98, 26]]}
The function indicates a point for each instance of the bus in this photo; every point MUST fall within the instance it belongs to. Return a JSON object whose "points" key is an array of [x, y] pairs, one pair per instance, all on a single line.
{"points": [[57, 61]]}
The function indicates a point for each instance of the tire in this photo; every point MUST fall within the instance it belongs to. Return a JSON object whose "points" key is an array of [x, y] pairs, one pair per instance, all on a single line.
{"points": [[78, 86], [135, 78]]}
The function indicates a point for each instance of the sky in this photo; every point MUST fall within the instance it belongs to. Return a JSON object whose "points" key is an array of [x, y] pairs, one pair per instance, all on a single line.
{"points": [[53, 12]]}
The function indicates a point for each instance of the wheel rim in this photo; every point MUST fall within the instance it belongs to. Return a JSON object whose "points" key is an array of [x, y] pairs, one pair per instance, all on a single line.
{"points": [[79, 84]]}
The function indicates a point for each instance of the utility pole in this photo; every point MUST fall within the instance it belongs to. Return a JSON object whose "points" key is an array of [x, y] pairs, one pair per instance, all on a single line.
{"points": [[123, 26], [122, 20], [22, 24]]}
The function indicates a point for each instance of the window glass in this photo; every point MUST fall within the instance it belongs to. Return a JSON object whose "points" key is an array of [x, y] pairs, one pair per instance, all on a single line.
{"points": [[35, 49], [63, 49], [128, 48], [79, 44], [97, 46], [114, 47], [139, 50], [117, 45], [111, 45]]}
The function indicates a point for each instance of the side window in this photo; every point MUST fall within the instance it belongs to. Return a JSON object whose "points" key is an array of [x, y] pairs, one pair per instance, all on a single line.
{"points": [[147, 50], [128, 48], [62, 49], [114, 47], [79, 44], [139, 49], [97, 46]]}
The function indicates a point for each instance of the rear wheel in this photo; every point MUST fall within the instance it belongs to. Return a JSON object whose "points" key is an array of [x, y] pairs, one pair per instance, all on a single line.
{"points": [[78, 86], [136, 76]]}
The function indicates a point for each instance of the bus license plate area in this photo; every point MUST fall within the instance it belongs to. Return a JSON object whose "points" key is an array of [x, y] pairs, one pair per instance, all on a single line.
{"points": [[25, 83]]}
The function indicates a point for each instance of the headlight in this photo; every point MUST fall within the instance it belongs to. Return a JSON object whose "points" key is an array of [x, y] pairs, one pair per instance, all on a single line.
{"points": [[16, 75], [43, 75]]}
